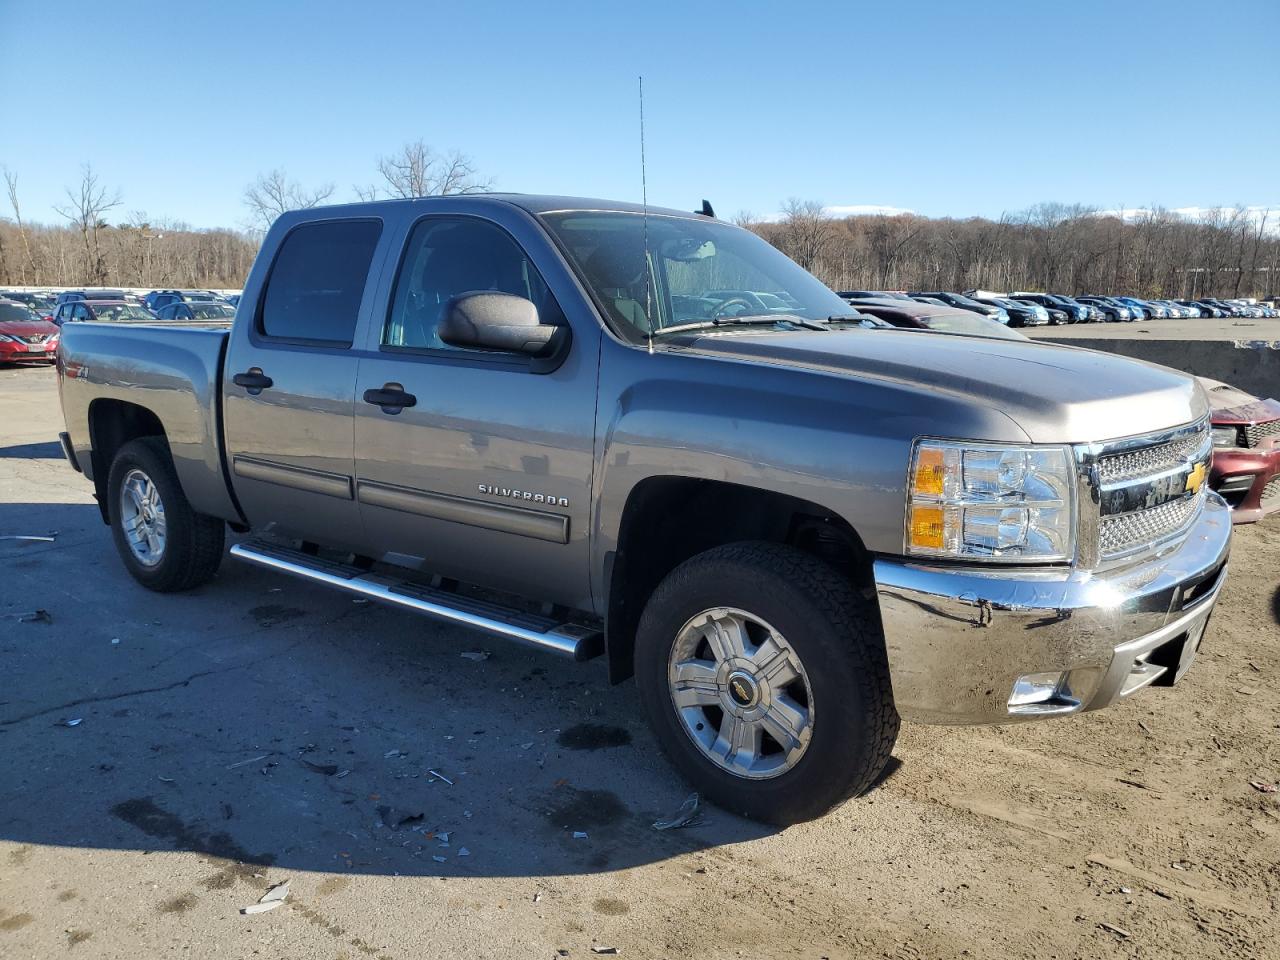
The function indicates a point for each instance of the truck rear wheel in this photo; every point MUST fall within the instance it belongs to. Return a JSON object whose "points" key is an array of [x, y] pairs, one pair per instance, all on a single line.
{"points": [[164, 544], [764, 676]]}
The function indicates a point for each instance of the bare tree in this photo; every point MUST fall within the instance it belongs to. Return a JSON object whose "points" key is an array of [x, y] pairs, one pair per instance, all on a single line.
{"points": [[274, 193], [418, 171], [11, 181], [806, 232], [85, 210]]}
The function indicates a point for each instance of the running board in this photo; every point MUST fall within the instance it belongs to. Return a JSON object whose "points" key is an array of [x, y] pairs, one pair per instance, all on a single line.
{"points": [[570, 639]]}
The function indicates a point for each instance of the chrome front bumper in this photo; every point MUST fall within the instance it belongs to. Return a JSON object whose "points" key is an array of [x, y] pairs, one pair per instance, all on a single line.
{"points": [[959, 638]]}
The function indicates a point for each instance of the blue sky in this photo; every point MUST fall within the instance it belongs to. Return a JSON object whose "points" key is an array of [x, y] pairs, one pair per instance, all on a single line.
{"points": [[945, 108]]}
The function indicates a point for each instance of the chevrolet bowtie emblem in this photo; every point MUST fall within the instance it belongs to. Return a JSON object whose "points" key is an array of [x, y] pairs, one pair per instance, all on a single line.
{"points": [[1195, 479]]}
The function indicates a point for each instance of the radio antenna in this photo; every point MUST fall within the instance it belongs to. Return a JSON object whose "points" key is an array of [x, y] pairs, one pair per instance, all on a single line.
{"points": [[644, 203]]}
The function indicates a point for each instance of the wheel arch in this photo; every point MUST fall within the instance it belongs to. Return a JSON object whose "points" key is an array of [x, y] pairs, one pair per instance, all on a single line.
{"points": [[112, 424], [668, 519]]}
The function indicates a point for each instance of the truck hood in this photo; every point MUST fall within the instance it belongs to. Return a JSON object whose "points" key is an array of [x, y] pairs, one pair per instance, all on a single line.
{"points": [[1056, 394]]}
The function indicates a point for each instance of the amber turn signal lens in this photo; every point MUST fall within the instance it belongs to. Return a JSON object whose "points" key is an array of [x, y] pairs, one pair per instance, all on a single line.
{"points": [[930, 472], [927, 525]]}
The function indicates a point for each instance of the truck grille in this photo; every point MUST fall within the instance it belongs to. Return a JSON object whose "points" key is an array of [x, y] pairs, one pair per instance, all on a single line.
{"points": [[1147, 461], [1255, 434], [1152, 493], [1132, 531]]}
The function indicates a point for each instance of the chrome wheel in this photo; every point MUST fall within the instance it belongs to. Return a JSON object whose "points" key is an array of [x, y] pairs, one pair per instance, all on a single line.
{"points": [[741, 693], [142, 517]]}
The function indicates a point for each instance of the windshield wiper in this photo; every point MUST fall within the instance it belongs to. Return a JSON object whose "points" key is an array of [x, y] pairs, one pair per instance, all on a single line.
{"points": [[746, 320]]}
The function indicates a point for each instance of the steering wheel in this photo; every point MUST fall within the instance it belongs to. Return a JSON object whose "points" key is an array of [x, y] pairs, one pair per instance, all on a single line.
{"points": [[719, 310]]}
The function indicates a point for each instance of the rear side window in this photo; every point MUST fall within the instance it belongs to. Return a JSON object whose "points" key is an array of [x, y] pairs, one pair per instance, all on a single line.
{"points": [[317, 281]]}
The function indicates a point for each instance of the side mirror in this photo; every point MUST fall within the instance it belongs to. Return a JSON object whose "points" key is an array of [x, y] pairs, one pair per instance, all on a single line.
{"points": [[498, 321]]}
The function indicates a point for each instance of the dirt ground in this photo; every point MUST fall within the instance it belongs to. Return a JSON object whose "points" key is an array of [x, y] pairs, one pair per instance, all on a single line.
{"points": [[259, 729]]}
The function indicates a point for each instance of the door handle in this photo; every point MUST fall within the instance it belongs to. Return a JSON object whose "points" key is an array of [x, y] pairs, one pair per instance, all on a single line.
{"points": [[391, 398], [254, 380]]}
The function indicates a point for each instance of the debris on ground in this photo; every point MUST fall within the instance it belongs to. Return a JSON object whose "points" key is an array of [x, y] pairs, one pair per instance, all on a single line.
{"points": [[270, 900], [392, 754], [38, 616], [440, 776], [1262, 787], [243, 763], [579, 835], [687, 816], [166, 779], [464, 852], [395, 819], [440, 859], [73, 722], [1118, 931], [26, 538], [476, 655], [115, 641], [326, 769], [605, 951]]}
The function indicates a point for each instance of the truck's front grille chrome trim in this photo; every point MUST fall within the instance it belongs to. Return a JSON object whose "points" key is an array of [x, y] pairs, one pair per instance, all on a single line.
{"points": [[1146, 491]]}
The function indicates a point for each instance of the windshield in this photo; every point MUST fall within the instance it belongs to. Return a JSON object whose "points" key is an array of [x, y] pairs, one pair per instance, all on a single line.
{"points": [[15, 312], [699, 272], [112, 312], [211, 311]]}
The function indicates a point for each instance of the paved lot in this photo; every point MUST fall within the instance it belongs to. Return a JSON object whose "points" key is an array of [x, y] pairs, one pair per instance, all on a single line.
{"points": [[1227, 328], [259, 729]]}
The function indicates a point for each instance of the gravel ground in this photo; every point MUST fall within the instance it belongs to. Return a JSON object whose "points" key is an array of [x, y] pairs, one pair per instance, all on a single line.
{"points": [[259, 729]]}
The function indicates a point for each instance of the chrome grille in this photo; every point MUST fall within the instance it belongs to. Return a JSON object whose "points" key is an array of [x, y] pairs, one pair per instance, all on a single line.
{"points": [[1129, 532], [1149, 461], [36, 338], [1255, 434]]}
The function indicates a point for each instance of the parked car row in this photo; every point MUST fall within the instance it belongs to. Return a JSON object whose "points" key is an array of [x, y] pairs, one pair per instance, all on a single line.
{"points": [[105, 304], [1028, 309]]}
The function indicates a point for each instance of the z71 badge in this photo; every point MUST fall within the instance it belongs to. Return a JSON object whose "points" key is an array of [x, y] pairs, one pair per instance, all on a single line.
{"points": [[513, 494]]}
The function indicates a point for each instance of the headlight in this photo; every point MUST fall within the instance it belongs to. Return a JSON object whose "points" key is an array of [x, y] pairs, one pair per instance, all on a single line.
{"points": [[1226, 437], [1010, 504], [8, 339]]}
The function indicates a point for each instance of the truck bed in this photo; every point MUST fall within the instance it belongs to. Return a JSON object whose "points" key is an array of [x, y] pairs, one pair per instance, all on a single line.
{"points": [[172, 370]]}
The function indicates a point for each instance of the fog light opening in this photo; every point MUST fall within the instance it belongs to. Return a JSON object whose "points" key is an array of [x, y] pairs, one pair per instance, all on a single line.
{"points": [[1043, 693]]}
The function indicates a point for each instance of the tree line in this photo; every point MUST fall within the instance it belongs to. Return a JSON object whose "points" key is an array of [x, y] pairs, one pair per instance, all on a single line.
{"points": [[1073, 249], [94, 246], [1052, 247]]}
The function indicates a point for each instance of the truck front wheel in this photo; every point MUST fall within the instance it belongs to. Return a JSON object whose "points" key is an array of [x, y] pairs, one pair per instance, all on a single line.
{"points": [[164, 544], [764, 676]]}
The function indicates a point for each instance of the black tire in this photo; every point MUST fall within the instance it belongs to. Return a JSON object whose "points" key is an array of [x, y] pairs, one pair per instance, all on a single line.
{"points": [[835, 632], [193, 542]]}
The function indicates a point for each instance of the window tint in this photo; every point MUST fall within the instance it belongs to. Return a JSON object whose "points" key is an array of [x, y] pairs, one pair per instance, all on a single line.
{"points": [[317, 281], [445, 258], [80, 312]]}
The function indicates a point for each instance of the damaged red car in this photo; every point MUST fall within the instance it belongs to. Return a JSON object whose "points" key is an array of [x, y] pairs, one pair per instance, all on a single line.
{"points": [[1246, 451], [24, 336]]}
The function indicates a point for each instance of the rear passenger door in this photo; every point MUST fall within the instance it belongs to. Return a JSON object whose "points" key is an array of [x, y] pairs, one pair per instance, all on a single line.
{"points": [[290, 382]]}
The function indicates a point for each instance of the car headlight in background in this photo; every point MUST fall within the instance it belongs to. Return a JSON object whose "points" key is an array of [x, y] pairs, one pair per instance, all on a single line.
{"points": [[1226, 437], [1011, 504], [5, 338]]}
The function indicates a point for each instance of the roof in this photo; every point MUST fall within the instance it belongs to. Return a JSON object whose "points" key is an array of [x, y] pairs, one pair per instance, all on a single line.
{"points": [[533, 203]]}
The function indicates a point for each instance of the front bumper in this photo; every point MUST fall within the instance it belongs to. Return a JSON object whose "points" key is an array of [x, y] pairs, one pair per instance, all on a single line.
{"points": [[959, 638], [15, 352], [1245, 477]]}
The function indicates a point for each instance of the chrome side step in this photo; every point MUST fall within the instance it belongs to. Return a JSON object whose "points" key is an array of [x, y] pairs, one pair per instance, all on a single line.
{"points": [[570, 639]]}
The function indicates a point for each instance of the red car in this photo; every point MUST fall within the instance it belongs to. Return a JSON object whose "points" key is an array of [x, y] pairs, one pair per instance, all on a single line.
{"points": [[1246, 451], [24, 336]]}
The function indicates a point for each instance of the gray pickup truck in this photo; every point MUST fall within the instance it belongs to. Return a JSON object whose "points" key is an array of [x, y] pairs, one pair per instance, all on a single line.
{"points": [[647, 434]]}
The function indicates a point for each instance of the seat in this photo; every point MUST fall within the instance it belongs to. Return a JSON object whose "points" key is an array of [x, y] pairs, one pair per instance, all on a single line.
{"points": [[619, 278]]}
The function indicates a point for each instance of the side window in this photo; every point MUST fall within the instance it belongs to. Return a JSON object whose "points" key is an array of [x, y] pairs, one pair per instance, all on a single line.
{"points": [[445, 258], [80, 312], [317, 281]]}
